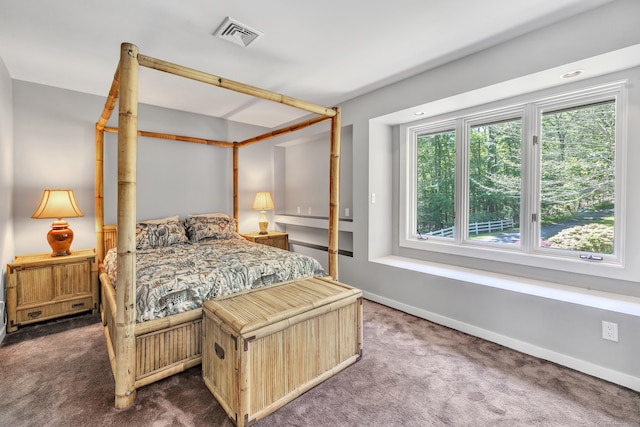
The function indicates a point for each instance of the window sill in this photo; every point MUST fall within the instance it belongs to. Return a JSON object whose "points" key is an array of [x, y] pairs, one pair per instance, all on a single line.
{"points": [[590, 298], [546, 259]]}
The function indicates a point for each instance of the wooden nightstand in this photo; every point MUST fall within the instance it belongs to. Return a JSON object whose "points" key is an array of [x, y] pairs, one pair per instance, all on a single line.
{"points": [[277, 239], [41, 287]]}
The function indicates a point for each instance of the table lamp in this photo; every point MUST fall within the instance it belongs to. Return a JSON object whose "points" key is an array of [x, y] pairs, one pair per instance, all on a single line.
{"points": [[263, 202], [58, 204]]}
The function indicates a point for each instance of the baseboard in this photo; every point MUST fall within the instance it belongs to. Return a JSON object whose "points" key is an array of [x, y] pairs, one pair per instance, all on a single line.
{"points": [[580, 365]]}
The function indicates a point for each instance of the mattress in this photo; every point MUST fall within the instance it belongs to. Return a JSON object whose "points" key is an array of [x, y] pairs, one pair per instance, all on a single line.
{"points": [[177, 278]]}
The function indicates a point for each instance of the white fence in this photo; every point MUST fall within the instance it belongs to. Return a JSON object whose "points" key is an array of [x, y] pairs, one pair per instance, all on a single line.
{"points": [[477, 228]]}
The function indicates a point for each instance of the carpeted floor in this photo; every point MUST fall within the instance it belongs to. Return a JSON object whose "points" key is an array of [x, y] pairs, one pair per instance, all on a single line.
{"points": [[413, 373]]}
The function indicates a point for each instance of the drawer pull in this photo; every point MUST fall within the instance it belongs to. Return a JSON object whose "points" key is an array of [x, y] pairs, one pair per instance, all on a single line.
{"points": [[78, 305], [35, 314]]}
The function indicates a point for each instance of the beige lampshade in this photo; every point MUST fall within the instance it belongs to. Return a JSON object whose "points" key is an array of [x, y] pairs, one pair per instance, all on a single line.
{"points": [[57, 204], [263, 201]]}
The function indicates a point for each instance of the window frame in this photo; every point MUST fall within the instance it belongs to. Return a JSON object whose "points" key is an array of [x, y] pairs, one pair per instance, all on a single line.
{"points": [[492, 116], [432, 128], [529, 252]]}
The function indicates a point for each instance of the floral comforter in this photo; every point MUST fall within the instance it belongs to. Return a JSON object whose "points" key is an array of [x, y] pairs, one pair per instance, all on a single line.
{"points": [[178, 278]]}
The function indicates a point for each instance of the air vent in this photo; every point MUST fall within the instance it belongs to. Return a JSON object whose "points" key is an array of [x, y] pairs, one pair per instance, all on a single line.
{"points": [[235, 32]]}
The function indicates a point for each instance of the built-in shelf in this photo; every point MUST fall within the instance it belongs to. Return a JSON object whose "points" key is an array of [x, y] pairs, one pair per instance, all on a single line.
{"points": [[345, 224]]}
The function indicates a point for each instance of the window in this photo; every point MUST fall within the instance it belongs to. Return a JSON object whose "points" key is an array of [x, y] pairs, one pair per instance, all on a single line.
{"points": [[538, 183], [494, 181], [435, 163], [577, 183]]}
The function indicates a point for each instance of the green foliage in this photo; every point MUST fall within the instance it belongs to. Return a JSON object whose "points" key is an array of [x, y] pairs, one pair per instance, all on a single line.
{"points": [[557, 218], [436, 180], [608, 220], [604, 206], [494, 171], [588, 238], [578, 159]]}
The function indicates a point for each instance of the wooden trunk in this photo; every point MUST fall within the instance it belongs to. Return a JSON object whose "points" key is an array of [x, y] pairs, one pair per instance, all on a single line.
{"points": [[264, 347]]}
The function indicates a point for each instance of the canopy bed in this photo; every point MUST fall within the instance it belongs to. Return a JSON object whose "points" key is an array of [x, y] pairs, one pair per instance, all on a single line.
{"points": [[142, 352]]}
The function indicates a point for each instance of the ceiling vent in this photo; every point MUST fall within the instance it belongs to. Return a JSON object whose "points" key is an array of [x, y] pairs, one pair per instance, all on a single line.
{"points": [[237, 33]]}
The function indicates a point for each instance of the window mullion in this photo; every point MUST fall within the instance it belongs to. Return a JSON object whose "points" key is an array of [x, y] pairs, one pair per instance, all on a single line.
{"points": [[530, 179], [462, 181]]}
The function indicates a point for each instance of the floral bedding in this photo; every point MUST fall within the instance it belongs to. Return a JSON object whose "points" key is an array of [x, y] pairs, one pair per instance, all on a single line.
{"points": [[177, 278]]}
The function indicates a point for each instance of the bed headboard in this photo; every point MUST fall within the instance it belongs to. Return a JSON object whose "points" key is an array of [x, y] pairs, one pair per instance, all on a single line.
{"points": [[109, 237]]}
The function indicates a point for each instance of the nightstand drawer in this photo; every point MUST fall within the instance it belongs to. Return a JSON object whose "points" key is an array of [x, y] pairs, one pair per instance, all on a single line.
{"points": [[48, 311], [276, 242], [277, 239], [43, 284]]}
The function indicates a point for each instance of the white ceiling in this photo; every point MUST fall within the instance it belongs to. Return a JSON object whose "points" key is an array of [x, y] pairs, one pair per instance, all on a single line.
{"points": [[324, 52]]}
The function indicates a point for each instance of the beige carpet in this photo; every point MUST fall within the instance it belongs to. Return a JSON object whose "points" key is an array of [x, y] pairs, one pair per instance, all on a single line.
{"points": [[413, 373]]}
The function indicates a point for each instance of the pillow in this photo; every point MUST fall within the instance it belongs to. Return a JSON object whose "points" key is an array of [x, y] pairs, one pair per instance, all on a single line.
{"points": [[213, 226], [156, 233], [110, 263]]}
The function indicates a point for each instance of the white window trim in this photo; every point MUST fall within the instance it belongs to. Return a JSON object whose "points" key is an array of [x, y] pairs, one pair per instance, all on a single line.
{"points": [[409, 173], [462, 212], [530, 254]]}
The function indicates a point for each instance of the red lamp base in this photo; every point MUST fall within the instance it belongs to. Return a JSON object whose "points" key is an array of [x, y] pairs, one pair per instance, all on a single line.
{"points": [[60, 237]]}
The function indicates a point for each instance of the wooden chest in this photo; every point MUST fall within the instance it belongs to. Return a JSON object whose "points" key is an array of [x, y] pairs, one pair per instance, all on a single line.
{"points": [[263, 348], [42, 287]]}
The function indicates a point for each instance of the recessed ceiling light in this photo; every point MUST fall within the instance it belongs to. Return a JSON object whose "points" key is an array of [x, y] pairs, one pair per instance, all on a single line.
{"points": [[572, 74], [419, 113]]}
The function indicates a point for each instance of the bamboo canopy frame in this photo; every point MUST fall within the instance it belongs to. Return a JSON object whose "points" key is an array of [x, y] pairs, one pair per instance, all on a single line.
{"points": [[125, 87]]}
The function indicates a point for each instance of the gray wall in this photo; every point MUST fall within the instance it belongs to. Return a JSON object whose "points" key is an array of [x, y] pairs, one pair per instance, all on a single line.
{"points": [[306, 161], [55, 148], [174, 178], [553, 328], [6, 185]]}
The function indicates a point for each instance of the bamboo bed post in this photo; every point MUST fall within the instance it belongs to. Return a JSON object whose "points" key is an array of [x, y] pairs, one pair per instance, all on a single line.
{"points": [[334, 194], [109, 105], [235, 184], [171, 137], [283, 131], [125, 392], [190, 73], [99, 193]]}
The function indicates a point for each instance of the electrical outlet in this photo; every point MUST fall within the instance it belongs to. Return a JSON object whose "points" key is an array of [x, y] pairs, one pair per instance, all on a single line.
{"points": [[373, 198], [610, 331], [346, 211], [309, 211], [298, 209]]}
